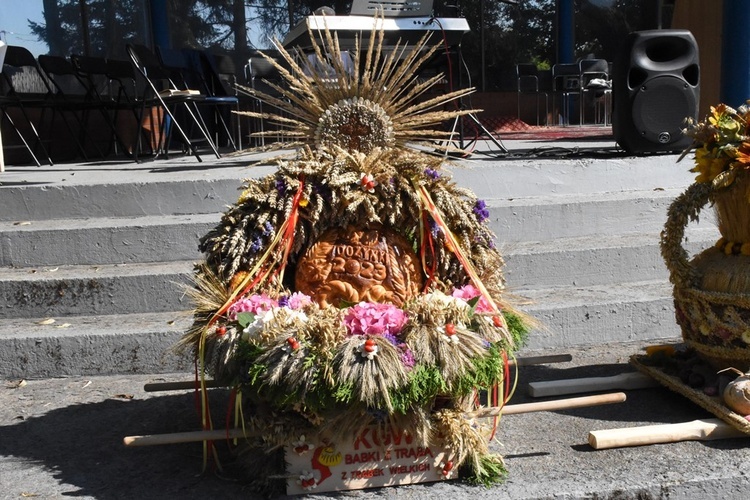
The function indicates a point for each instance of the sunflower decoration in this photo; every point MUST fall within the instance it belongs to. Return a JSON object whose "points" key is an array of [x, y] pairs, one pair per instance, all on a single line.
{"points": [[358, 286], [722, 145]]}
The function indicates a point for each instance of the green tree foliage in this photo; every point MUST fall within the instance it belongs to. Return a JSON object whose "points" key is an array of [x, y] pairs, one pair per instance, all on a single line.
{"points": [[512, 34], [112, 23]]}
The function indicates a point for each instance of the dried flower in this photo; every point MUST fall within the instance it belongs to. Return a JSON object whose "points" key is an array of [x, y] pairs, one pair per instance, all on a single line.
{"points": [[257, 244], [432, 173], [722, 145], [481, 211], [407, 357]]}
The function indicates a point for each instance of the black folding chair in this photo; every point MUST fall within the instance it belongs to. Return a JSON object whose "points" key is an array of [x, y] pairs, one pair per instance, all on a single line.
{"points": [[220, 80], [527, 82], [70, 95], [124, 90], [161, 93], [261, 76], [188, 71], [22, 87], [109, 93]]}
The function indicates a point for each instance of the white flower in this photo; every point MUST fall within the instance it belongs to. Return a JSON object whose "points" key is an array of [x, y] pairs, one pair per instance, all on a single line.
{"points": [[254, 328], [439, 298], [281, 317], [301, 446], [307, 481]]}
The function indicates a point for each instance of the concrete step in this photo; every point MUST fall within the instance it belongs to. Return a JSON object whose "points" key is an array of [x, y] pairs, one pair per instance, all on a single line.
{"points": [[90, 290], [155, 238], [550, 217], [182, 186], [593, 260], [143, 343], [595, 315], [154, 286], [113, 189], [90, 345], [103, 240], [102, 248], [532, 173]]}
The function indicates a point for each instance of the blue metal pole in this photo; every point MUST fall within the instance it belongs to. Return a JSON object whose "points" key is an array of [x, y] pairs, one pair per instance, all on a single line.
{"points": [[735, 53], [159, 23], [565, 32]]}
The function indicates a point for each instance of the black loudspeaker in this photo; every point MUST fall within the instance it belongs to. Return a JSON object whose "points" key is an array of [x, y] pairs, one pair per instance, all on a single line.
{"points": [[655, 87]]}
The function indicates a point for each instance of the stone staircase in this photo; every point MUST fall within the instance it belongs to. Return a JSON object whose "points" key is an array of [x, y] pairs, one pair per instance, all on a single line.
{"points": [[106, 258]]}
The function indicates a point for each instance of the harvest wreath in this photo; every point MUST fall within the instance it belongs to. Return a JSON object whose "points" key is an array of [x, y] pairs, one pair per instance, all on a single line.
{"points": [[357, 287]]}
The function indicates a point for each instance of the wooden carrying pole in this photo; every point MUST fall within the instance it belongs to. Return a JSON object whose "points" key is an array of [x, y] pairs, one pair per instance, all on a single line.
{"points": [[218, 435], [558, 404], [696, 430]]}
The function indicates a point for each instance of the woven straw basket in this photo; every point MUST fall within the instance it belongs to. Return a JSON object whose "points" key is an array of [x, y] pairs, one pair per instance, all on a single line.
{"points": [[712, 290]]}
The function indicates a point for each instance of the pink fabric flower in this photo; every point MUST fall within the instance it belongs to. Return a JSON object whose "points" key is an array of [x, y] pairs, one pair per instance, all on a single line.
{"points": [[367, 318], [298, 300], [256, 304], [468, 292]]}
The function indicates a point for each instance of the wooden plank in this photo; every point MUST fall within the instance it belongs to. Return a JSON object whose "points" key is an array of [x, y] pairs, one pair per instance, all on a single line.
{"points": [[631, 380], [178, 386], [541, 360]]}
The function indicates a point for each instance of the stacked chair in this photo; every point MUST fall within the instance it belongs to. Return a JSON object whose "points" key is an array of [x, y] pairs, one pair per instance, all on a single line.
{"points": [[162, 94], [192, 69], [528, 81], [221, 84], [594, 81], [71, 96], [262, 76], [132, 107], [111, 84], [24, 88], [566, 86], [586, 78]]}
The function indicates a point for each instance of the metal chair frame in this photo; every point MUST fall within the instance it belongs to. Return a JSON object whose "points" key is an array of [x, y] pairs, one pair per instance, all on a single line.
{"points": [[160, 91], [565, 84], [527, 82], [16, 59], [589, 69]]}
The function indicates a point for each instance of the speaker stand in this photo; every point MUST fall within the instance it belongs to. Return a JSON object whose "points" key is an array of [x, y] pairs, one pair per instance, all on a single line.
{"points": [[458, 123]]}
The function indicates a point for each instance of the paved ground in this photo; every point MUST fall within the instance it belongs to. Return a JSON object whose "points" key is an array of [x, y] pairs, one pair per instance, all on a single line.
{"points": [[63, 438]]}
